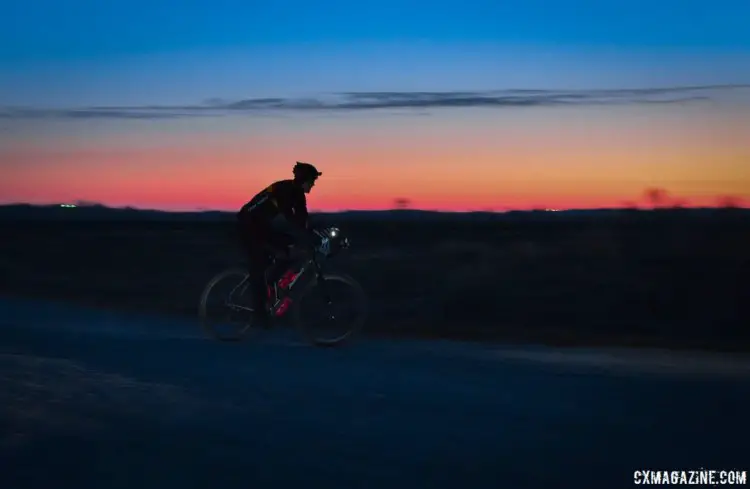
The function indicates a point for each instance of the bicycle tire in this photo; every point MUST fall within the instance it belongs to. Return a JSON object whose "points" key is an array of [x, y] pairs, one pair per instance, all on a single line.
{"points": [[354, 328], [203, 306]]}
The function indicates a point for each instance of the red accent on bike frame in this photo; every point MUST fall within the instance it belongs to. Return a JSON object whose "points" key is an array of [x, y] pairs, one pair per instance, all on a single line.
{"points": [[283, 307], [287, 279]]}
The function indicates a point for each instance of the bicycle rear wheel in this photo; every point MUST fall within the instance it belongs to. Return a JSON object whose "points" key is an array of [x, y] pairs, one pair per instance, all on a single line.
{"points": [[225, 307], [333, 318]]}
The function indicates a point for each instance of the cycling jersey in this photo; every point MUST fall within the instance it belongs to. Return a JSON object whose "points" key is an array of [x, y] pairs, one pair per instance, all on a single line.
{"points": [[284, 197]]}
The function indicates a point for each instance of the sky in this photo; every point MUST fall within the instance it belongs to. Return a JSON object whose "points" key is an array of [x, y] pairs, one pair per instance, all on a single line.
{"points": [[472, 105]]}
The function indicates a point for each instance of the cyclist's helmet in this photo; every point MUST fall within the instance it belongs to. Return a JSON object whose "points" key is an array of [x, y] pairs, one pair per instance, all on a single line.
{"points": [[305, 171]]}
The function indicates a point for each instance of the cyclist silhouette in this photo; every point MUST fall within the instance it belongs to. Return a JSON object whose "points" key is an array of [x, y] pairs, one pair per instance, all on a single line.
{"points": [[260, 233]]}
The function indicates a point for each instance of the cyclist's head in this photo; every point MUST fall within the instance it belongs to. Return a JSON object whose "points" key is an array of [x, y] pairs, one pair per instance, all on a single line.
{"points": [[305, 175]]}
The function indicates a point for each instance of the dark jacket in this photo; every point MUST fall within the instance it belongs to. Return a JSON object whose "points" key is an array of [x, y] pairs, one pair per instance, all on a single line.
{"points": [[285, 198]]}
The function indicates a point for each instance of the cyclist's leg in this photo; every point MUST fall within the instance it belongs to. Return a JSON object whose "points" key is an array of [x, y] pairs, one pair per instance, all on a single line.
{"points": [[279, 244], [258, 266], [255, 248]]}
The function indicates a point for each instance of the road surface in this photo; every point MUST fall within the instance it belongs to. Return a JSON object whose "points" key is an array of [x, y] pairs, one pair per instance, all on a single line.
{"points": [[97, 399]]}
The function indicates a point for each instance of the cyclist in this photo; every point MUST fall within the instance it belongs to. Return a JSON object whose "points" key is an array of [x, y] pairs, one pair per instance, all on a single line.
{"points": [[260, 224]]}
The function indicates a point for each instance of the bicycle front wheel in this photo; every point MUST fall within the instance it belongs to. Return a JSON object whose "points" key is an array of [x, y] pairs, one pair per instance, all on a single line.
{"points": [[330, 311]]}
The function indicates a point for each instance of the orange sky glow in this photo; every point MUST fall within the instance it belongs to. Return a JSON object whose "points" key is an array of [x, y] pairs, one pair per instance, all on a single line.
{"points": [[450, 160]]}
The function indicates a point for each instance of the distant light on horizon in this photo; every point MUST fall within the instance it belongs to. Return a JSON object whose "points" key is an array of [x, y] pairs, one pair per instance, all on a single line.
{"points": [[69, 206]]}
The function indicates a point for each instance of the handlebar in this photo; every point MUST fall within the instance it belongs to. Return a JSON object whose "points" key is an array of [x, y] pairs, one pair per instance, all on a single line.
{"points": [[327, 236]]}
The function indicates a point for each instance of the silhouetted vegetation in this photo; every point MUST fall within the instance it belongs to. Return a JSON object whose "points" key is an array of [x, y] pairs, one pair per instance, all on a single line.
{"points": [[668, 277], [401, 203]]}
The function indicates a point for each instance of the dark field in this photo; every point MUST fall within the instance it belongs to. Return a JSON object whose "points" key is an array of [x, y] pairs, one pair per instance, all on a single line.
{"points": [[671, 278]]}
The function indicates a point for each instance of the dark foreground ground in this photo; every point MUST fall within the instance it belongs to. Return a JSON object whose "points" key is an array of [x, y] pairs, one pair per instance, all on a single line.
{"points": [[98, 399], [672, 278]]}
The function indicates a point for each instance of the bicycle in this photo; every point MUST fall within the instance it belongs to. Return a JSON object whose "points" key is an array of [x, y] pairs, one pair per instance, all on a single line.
{"points": [[285, 295]]}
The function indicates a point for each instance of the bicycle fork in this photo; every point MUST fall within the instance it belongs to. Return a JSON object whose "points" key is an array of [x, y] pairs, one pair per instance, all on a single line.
{"points": [[326, 295]]}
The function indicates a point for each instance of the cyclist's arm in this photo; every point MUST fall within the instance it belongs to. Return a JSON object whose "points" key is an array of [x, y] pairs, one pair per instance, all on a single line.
{"points": [[301, 215], [293, 206], [302, 219]]}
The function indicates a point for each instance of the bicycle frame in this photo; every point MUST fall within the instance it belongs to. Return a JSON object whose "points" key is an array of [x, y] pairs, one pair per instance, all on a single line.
{"points": [[277, 305], [287, 282]]}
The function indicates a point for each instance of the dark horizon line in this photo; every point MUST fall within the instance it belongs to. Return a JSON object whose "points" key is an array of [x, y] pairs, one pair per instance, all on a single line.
{"points": [[104, 207]]}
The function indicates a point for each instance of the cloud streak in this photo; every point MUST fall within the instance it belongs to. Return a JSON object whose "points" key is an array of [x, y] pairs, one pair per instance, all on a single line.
{"points": [[360, 101]]}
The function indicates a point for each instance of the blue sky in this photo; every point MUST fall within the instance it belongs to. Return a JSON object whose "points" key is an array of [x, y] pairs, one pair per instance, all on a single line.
{"points": [[93, 52], [74, 29]]}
